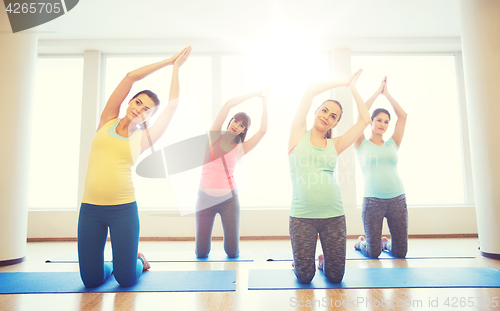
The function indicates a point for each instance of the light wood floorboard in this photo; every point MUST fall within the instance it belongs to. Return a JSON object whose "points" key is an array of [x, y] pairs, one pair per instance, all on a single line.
{"points": [[244, 299]]}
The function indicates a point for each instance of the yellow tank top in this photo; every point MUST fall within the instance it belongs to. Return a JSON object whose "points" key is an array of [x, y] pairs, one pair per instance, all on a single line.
{"points": [[109, 177]]}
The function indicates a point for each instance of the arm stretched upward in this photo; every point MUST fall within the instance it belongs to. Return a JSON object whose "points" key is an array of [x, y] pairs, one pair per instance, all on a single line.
{"points": [[343, 142], [299, 126], [161, 124]]}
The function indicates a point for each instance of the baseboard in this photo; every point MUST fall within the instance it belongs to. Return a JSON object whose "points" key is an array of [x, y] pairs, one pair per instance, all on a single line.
{"points": [[260, 238]]}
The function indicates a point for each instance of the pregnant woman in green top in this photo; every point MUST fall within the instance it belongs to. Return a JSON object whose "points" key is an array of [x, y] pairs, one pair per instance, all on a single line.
{"points": [[316, 204], [384, 195]]}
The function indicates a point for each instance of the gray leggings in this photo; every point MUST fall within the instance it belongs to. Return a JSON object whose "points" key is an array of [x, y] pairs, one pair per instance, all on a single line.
{"points": [[373, 213], [207, 208], [304, 236]]}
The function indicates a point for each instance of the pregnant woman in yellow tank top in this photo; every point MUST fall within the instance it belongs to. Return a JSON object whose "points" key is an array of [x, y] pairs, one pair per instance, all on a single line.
{"points": [[108, 198]]}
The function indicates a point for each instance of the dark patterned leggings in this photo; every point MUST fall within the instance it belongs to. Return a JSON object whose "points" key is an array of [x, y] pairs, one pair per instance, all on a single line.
{"points": [[373, 213], [304, 236]]}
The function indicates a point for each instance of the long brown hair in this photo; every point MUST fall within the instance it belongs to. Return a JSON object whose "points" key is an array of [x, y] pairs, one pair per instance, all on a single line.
{"points": [[245, 119]]}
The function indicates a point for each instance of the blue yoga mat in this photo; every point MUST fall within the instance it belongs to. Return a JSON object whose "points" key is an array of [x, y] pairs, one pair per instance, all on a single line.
{"points": [[352, 254], [214, 256], [150, 281], [380, 278]]}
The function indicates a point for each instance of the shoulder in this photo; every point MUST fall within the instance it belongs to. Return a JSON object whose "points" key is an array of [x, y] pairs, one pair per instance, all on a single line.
{"points": [[300, 139], [362, 145], [392, 143], [112, 121], [108, 124], [334, 141]]}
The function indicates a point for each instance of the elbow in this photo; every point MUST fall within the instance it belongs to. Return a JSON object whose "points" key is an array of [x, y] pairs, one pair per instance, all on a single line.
{"points": [[366, 120], [172, 105], [310, 92], [130, 76], [402, 115], [309, 89]]}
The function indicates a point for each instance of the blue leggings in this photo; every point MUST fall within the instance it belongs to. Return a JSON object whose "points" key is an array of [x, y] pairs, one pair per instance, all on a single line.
{"points": [[123, 223]]}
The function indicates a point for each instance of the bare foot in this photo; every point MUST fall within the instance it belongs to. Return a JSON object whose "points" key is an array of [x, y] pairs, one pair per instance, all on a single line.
{"points": [[384, 241], [146, 263], [293, 264], [321, 258], [360, 239]]}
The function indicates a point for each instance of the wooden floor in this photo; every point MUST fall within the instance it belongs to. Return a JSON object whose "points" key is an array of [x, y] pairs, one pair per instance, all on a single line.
{"points": [[244, 299]]}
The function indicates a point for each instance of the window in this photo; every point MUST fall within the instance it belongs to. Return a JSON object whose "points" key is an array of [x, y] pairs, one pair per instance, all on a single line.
{"points": [[55, 133], [263, 175], [430, 157]]}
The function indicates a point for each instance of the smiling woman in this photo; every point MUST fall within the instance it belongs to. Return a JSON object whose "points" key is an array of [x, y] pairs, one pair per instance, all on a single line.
{"points": [[196, 93], [432, 166], [288, 80], [108, 198]]}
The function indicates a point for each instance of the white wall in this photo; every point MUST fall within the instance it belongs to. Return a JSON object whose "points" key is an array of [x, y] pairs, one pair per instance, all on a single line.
{"points": [[257, 222]]}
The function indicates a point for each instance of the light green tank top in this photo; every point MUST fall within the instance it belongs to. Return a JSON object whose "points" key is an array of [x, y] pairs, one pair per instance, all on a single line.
{"points": [[379, 167], [316, 193]]}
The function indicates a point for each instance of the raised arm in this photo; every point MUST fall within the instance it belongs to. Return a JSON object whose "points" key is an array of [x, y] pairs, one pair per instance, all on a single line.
{"points": [[224, 111], [343, 142], [161, 124], [399, 130], [112, 108], [255, 139], [299, 126], [369, 104]]}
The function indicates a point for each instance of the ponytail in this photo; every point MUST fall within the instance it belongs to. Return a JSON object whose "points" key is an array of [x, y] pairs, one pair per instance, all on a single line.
{"points": [[328, 134]]}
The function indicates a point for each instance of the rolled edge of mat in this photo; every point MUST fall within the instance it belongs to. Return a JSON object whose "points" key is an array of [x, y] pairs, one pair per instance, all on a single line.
{"points": [[12, 261], [490, 255]]}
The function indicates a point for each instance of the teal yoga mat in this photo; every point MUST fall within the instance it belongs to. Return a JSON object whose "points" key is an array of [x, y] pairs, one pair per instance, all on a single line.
{"points": [[380, 278], [150, 281], [214, 256], [352, 254]]}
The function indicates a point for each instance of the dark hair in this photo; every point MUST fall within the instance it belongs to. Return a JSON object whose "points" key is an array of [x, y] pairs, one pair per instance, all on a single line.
{"points": [[378, 111], [155, 100], [328, 133], [245, 119]]}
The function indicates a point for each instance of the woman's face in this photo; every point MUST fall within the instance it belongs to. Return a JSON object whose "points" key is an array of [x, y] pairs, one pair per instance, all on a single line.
{"points": [[236, 127], [327, 116], [140, 109], [380, 123]]}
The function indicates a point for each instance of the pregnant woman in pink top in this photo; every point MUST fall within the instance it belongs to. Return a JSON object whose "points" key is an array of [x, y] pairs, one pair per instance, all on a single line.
{"points": [[218, 193]]}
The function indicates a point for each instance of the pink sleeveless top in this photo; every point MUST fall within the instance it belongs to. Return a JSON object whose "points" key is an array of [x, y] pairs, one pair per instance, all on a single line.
{"points": [[217, 172]]}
